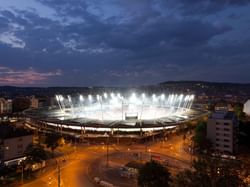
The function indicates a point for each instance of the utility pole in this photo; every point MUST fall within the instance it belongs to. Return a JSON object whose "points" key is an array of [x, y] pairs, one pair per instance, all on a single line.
{"points": [[59, 175], [107, 161], [22, 173]]}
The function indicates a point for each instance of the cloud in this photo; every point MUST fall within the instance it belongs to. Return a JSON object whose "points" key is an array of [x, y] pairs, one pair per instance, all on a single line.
{"points": [[76, 46], [9, 36], [10, 39], [146, 28], [202, 7], [9, 76], [133, 41]]}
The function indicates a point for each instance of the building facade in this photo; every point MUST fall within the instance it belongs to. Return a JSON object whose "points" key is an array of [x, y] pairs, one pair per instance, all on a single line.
{"points": [[222, 131], [13, 143], [5, 106], [34, 102]]}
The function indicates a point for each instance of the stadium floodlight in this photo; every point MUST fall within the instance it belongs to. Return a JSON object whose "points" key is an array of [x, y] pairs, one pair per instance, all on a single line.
{"points": [[192, 97], [69, 98], [162, 97], [61, 98], [154, 98], [98, 97], [133, 98], [181, 96], [90, 97], [81, 98], [143, 95], [105, 95], [115, 106]]}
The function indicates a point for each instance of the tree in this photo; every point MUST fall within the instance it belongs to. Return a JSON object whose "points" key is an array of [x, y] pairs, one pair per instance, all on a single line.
{"points": [[211, 172], [238, 109], [52, 141], [186, 178], [153, 174], [200, 140], [35, 153]]}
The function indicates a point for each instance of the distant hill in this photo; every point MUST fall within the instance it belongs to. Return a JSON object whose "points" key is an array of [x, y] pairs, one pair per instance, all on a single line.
{"points": [[196, 87], [204, 82], [209, 88]]}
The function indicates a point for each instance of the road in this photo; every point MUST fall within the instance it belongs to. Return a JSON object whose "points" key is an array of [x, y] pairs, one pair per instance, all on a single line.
{"points": [[74, 172]]}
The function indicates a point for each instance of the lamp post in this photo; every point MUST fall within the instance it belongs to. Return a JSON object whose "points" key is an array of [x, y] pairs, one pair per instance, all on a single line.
{"points": [[22, 173], [21, 166], [122, 108], [107, 154], [58, 173], [59, 176]]}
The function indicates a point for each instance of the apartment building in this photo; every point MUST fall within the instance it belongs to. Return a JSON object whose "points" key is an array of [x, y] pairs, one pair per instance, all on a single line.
{"points": [[5, 106], [13, 143], [222, 131]]}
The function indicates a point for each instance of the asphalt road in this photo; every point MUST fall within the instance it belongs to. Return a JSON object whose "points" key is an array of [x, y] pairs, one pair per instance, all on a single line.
{"points": [[75, 171]]}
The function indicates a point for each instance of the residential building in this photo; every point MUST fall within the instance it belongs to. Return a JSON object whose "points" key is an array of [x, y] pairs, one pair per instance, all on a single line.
{"points": [[219, 106], [34, 102], [5, 106], [13, 143], [222, 131]]}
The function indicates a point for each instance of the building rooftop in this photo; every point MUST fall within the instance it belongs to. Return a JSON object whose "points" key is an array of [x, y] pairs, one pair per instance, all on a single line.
{"points": [[8, 131], [223, 115]]}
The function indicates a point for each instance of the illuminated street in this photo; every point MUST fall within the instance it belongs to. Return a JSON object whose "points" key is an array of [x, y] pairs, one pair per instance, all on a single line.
{"points": [[75, 170]]}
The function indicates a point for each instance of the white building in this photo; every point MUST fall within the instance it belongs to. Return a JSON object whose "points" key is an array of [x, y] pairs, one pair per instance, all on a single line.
{"points": [[246, 108], [5, 106], [222, 131]]}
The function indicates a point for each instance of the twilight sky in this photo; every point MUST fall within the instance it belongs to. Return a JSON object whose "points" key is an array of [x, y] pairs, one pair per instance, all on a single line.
{"points": [[123, 42]]}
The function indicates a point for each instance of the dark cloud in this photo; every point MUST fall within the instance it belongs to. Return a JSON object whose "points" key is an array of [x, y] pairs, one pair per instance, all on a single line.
{"points": [[203, 7], [126, 42]]}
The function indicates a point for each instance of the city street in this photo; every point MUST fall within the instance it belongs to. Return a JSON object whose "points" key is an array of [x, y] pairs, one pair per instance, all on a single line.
{"points": [[74, 172]]}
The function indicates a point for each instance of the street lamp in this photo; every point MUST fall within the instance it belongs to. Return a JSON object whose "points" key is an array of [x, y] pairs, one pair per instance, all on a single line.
{"points": [[107, 154], [58, 173]]}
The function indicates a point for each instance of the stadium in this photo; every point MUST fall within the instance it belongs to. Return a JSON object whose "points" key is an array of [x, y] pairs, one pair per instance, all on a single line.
{"points": [[114, 113]]}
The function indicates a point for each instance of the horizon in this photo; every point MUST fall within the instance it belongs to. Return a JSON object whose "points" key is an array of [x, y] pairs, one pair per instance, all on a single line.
{"points": [[127, 86]]}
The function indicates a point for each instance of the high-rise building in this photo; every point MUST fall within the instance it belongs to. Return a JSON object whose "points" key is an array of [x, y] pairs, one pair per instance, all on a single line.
{"points": [[222, 131]]}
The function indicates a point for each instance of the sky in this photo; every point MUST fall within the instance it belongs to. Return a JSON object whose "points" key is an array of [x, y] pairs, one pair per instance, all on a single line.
{"points": [[123, 42]]}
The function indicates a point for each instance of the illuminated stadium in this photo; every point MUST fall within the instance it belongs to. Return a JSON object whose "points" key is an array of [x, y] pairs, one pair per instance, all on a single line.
{"points": [[115, 112]]}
